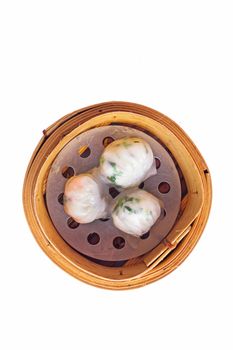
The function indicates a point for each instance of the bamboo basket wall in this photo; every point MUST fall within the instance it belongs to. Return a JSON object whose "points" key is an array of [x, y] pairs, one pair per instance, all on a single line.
{"points": [[181, 239]]}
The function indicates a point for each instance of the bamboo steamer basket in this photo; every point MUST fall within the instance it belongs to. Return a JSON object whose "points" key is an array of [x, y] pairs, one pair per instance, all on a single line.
{"points": [[179, 241]]}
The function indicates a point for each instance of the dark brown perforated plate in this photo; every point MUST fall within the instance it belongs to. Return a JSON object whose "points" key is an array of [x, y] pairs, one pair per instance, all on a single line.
{"points": [[100, 239]]}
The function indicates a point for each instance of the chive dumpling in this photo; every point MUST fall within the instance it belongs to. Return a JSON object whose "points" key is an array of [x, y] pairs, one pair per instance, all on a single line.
{"points": [[84, 199], [127, 162], [135, 211]]}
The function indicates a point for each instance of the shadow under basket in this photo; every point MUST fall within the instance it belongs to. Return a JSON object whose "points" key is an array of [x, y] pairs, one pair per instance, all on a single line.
{"points": [[96, 253]]}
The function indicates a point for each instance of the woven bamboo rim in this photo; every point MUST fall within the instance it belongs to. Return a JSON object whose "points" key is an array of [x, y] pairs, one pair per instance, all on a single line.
{"points": [[180, 241]]}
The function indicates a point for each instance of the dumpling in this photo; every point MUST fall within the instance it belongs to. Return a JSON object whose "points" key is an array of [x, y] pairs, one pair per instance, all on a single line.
{"points": [[136, 211], [84, 199], [127, 162]]}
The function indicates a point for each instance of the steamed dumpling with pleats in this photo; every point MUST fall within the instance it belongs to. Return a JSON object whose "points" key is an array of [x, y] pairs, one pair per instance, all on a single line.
{"points": [[127, 162], [84, 198], [135, 211]]}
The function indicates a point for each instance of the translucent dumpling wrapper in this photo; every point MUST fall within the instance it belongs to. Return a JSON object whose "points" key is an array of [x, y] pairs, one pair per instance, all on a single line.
{"points": [[136, 211], [84, 198], [127, 162]]}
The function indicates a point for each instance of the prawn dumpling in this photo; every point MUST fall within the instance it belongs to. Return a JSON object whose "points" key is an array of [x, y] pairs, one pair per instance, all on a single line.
{"points": [[127, 162], [135, 212], [84, 199]]}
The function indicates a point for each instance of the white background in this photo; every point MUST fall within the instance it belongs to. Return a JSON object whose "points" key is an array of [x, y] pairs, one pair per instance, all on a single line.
{"points": [[58, 56]]}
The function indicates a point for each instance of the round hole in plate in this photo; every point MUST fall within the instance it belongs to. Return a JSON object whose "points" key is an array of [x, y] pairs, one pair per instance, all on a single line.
{"points": [[164, 187], [141, 185], [157, 163], [119, 242], [84, 151], [145, 235], [72, 223], [60, 198], [107, 140], [106, 219], [67, 172], [93, 238], [113, 192]]}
